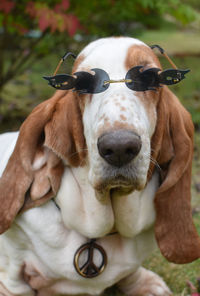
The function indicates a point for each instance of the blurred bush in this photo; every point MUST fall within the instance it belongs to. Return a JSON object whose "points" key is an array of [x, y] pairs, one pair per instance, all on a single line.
{"points": [[25, 25]]}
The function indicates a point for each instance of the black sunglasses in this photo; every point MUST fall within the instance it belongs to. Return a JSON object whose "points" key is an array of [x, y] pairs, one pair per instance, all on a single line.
{"points": [[136, 79]]}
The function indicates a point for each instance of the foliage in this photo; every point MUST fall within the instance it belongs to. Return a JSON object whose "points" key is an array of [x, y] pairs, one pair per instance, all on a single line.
{"points": [[23, 27], [194, 3], [120, 16], [31, 29], [21, 17]]}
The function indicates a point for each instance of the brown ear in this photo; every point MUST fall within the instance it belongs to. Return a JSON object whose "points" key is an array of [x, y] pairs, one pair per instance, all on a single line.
{"points": [[51, 136], [172, 144]]}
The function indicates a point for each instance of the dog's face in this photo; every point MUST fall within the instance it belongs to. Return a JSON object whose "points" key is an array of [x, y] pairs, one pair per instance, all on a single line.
{"points": [[119, 122]]}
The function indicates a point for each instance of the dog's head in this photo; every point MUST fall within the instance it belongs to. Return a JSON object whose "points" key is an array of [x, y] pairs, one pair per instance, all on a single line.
{"points": [[121, 135], [119, 122]]}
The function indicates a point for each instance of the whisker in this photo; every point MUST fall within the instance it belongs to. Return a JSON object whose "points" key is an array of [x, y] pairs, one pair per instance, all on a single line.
{"points": [[77, 152], [153, 160], [156, 163]]}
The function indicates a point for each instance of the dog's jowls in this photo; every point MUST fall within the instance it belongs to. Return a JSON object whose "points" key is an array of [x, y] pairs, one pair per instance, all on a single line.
{"points": [[115, 166]]}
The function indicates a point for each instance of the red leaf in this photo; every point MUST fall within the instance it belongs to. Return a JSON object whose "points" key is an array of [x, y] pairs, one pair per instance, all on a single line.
{"points": [[58, 8], [54, 19], [65, 4], [48, 19], [53, 23], [43, 22], [30, 9], [72, 24], [6, 6]]}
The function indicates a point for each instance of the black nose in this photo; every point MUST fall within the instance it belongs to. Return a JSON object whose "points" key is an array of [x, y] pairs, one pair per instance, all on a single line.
{"points": [[118, 148]]}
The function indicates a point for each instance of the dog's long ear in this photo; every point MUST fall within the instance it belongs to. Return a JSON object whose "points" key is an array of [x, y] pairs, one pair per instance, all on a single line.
{"points": [[51, 136], [172, 146]]}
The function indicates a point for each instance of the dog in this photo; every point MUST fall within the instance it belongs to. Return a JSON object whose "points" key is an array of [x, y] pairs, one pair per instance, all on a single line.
{"points": [[93, 181]]}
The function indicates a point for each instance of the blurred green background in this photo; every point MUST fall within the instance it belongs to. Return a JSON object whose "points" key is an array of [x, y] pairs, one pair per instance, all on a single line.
{"points": [[34, 35]]}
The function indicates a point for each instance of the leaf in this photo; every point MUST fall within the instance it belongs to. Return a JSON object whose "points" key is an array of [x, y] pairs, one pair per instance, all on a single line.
{"points": [[61, 7], [43, 22], [65, 4], [6, 6], [30, 9], [184, 13], [72, 24]]}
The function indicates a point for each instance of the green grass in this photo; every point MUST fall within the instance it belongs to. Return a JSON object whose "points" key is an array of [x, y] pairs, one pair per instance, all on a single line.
{"points": [[23, 93], [174, 275]]}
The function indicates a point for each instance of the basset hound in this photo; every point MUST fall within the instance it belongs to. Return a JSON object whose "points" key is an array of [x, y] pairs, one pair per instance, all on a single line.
{"points": [[93, 181]]}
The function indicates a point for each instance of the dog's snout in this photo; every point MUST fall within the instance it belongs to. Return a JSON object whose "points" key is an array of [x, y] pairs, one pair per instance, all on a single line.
{"points": [[118, 148]]}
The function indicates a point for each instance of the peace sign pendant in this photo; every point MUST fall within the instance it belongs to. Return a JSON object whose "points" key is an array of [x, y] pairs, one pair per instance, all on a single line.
{"points": [[89, 269]]}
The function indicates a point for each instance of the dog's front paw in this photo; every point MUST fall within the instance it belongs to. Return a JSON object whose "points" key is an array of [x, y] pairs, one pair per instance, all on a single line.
{"points": [[144, 283]]}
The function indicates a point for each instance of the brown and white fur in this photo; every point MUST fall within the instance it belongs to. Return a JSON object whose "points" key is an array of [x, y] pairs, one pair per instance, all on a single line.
{"points": [[57, 192]]}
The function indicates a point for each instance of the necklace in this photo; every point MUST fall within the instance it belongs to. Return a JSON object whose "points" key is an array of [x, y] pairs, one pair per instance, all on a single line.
{"points": [[89, 269]]}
